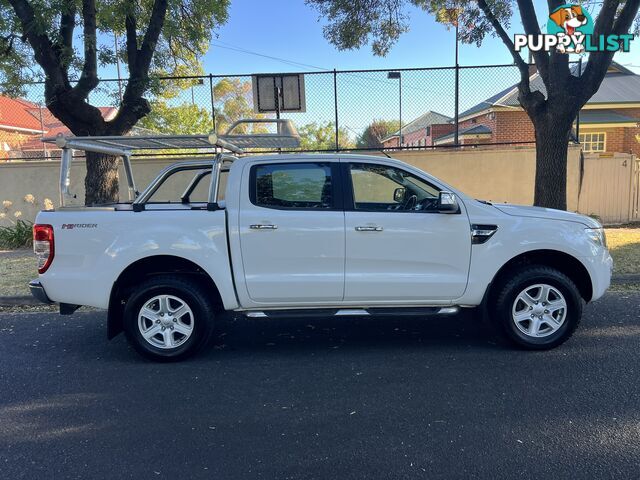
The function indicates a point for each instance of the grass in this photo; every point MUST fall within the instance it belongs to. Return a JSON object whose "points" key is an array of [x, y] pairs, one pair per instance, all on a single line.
{"points": [[624, 245], [18, 267]]}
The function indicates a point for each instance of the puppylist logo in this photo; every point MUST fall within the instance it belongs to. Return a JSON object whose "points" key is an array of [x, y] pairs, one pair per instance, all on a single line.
{"points": [[570, 30]]}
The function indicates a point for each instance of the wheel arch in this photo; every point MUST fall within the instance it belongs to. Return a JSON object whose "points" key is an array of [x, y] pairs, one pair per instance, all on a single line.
{"points": [[561, 261], [144, 268]]}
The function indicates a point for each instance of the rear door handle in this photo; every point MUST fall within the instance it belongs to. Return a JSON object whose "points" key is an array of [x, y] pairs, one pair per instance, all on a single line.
{"points": [[369, 228], [263, 226]]}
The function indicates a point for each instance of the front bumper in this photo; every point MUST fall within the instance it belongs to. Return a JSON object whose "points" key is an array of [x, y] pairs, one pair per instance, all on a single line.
{"points": [[37, 290], [601, 268]]}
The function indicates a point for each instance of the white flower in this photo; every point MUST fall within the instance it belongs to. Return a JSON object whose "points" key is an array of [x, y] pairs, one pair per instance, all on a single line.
{"points": [[48, 204], [7, 204], [18, 214], [29, 198], [3, 215]]}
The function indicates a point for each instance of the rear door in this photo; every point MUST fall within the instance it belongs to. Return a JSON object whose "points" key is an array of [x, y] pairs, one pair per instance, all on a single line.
{"points": [[292, 236], [399, 248]]}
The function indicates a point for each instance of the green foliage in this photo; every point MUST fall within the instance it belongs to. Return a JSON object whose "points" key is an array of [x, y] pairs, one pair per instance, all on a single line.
{"points": [[377, 131], [355, 23], [18, 235], [185, 36], [182, 119], [234, 101], [314, 136]]}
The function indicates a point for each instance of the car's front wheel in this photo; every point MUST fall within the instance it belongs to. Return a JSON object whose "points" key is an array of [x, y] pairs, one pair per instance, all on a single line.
{"points": [[538, 308], [168, 318]]}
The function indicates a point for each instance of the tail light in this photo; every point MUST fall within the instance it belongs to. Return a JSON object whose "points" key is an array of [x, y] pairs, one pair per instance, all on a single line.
{"points": [[43, 246]]}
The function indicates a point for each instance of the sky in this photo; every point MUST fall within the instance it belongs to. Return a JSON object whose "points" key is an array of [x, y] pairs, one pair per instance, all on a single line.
{"points": [[290, 30], [286, 36]]}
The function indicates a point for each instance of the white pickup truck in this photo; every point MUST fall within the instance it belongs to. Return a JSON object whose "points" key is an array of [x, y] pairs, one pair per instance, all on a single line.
{"points": [[304, 234]]}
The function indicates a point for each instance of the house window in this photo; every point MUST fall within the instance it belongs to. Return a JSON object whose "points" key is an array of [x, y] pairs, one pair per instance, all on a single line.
{"points": [[593, 141], [428, 132]]}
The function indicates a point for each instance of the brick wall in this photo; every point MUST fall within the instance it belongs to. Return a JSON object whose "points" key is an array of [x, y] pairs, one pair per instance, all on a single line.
{"points": [[438, 130], [513, 126]]}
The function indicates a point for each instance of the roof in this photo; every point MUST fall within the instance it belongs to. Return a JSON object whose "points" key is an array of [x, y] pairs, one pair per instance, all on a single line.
{"points": [[475, 130], [423, 121], [605, 116], [52, 126], [620, 85], [14, 114]]}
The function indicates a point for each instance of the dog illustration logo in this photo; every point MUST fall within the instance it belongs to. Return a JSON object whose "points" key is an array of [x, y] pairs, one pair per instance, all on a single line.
{"points": [[570, 30], [571, 21]]}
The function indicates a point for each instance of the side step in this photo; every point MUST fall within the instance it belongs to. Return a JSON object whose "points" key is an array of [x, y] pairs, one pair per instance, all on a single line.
{"points": [[354, 312]]}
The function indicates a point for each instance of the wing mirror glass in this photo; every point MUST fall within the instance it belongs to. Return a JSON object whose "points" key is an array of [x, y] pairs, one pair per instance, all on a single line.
{"points": [[448, 203], [398, 194]]}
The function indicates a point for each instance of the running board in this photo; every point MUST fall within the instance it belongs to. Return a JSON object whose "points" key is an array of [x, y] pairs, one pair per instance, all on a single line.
{"points": [[354, 312]]}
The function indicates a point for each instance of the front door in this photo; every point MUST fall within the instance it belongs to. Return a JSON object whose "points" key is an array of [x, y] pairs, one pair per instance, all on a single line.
{"points": [[292, 234], [398, 247]]}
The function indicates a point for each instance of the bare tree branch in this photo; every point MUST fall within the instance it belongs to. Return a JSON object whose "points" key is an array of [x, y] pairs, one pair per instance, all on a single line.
{"points": [[520, 63], [43, 48], [67, 26], [531, 27], [89, 76], [134, 106], [600, 61], [132, 34]]}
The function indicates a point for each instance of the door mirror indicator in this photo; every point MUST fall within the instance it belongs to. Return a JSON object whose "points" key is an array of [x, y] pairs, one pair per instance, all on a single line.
{"points": [[398, 194], [448, 203]]}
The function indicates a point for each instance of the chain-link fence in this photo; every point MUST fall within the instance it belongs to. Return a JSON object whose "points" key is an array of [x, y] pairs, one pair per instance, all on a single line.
{"points": [[416, 108]]}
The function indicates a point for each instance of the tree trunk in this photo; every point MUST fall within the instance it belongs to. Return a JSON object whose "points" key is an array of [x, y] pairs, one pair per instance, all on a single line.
{"points": [[101, 183], [552, 143]]}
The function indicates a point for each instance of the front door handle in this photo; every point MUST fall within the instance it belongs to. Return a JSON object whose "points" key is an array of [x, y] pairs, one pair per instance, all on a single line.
{"points": [[263, 226], [369, 228]]}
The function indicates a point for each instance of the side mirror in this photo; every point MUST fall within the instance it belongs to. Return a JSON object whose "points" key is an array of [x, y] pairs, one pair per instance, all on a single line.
{"points": [[447, 203], [398, 194]]}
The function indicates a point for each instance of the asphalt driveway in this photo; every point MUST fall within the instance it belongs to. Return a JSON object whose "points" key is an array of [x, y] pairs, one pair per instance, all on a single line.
{"points": [[330, 399]]}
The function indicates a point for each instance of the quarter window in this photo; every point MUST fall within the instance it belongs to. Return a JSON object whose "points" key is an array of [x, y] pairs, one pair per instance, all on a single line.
{"points": [[593, 141], [292, 186]]}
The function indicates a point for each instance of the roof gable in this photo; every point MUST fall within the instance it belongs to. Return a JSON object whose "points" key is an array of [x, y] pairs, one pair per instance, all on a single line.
{"points": [[423, 121], [620, 85]]}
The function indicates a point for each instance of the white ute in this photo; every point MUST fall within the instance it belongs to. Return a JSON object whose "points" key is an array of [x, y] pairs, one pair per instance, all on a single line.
{"points": [[305, 234]]}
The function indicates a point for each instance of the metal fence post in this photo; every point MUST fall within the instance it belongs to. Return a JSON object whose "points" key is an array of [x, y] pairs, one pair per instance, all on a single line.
{"points": [[213, 108], [457, 93], [335, 105], [578, 115]]}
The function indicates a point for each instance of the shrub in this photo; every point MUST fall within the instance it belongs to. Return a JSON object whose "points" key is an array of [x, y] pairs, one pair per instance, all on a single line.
{"points": [[19, 232], [18, 235]]}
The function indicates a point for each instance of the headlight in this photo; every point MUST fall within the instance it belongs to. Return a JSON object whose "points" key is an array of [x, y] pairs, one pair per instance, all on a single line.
{"points": [[597, 236]]}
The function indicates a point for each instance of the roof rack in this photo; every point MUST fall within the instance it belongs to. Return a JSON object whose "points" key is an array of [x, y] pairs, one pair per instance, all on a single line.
{"points": [[286, 137]]}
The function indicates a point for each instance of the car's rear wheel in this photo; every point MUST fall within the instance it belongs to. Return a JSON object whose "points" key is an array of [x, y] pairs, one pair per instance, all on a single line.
{"points": [[168, 318], [537, 308]]}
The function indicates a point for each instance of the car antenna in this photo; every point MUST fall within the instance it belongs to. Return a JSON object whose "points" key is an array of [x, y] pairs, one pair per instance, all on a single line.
{"points": [[385, 153]]}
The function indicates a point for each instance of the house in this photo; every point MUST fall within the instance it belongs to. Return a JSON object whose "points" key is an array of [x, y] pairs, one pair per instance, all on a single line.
{"points": [[24, 123], [609, 122], [17, 126], [421, 131]]}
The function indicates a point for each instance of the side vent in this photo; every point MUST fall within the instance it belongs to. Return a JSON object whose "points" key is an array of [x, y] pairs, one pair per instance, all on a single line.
{"points": [[482, 233]]}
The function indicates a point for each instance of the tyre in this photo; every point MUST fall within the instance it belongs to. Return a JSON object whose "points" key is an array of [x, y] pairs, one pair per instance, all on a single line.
{"points": [[538, 308], [168, 318]]}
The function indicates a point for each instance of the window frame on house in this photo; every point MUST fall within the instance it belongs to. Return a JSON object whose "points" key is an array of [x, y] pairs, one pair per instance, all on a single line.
{"points": [[587, 145]]}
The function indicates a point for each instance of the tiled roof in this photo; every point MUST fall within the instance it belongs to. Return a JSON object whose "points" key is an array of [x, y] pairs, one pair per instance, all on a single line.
{"points": [[620, 85], [605, 116], [475, 130], [423, 121], [13, 113]]}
